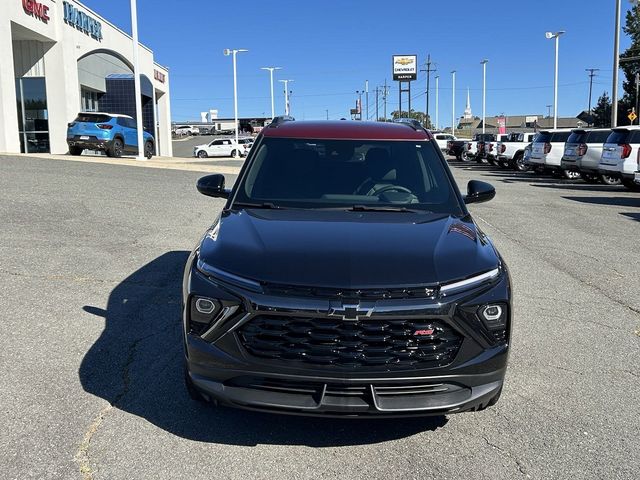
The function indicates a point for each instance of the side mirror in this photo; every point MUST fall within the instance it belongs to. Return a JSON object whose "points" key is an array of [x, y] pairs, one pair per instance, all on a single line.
{"points": [[478, 192], [213, 186]]}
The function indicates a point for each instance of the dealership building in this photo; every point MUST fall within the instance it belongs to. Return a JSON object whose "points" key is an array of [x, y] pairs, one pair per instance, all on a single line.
{"points": [[59, 58]]}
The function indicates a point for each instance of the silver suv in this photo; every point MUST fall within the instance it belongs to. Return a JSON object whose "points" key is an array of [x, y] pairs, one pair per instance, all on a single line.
{"points": [[548, 149], [582, 154], [621, 155]]}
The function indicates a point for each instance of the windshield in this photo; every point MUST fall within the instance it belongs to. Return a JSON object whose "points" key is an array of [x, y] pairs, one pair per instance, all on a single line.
{"points": [[297, 173]]}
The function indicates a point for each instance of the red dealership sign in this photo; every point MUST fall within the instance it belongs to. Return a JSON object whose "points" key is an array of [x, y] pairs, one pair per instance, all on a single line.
{"points": [[502, 125], [159, 76], [36, 9]]}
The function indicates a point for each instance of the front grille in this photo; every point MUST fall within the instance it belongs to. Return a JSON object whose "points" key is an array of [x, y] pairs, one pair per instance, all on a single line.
{"points": [[328, 342], [426, 291]]}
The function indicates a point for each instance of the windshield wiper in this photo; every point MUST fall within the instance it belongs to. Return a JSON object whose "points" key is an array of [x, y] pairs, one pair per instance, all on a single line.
{"points": [[265, 205], [373, 208]]}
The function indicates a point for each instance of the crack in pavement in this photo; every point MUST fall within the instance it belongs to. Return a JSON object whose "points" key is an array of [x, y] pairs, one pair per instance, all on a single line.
{"points": [[521, 468], [82, 455]]}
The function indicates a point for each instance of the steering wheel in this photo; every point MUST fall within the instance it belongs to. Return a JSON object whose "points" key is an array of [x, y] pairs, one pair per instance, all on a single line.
{"points": [[388, 188]]}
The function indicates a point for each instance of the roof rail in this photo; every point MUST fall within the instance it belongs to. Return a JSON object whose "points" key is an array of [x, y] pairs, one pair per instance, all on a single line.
{"points": [[412, 122], [280, 120]]}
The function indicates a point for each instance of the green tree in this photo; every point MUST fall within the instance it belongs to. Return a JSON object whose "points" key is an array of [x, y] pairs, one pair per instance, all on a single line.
{"points": [[416, 115], [630, 65], [602, 111]]}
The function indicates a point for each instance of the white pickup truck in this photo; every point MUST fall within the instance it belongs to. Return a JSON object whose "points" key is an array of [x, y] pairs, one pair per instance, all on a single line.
{"points": [[510, 153]]}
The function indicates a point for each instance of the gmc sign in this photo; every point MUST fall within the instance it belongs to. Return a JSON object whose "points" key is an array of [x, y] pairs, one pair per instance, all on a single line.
{"points": [[36, 9]]}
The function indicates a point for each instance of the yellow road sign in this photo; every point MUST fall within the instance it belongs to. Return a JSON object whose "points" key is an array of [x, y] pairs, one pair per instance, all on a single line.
{"points": [[632, 116]]}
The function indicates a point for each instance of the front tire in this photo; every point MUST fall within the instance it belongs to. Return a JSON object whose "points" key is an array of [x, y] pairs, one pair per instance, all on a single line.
{"points": [[235, 154], [202, 154], [116, 149], [518, 162], [75, 151], [609, 180]]}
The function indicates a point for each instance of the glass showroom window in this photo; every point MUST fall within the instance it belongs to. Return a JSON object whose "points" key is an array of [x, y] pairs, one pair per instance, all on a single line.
{"points": [[33, 116]]}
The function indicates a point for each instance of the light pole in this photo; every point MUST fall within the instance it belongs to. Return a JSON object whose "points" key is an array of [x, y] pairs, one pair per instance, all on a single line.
{"points": [[271, 69], [484, 91], [453, 103], [437, 95], [228, 52], [359, 93], [366, 98], [286, 96], [136, 79], [555, 35]]}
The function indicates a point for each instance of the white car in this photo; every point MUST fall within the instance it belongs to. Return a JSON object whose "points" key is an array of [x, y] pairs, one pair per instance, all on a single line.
{"points": [[183, 130], [510, 152], [620, 155], [246, 143], [223, 147], [547, 151], [442, 139]]}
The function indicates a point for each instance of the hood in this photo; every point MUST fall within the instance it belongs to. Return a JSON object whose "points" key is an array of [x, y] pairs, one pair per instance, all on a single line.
{"points": [[342, 249]]}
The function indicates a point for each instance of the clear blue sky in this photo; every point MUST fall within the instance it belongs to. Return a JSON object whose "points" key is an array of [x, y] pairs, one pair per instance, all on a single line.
{"points": [[331, 47]]}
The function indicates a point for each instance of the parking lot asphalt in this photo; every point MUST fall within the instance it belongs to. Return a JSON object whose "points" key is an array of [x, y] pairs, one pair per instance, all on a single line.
{"points": [[92, 258]]}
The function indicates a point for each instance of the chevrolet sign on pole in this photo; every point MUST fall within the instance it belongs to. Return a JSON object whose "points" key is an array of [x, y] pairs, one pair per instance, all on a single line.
{"points": [[405, 67]]}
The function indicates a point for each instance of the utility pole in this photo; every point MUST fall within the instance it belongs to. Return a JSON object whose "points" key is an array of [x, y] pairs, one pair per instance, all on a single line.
{"points": [[377, 110], [592, 73], [428, 70], [637, 91], [327, 114], [549, 111], [384, 98], [287, 104]]}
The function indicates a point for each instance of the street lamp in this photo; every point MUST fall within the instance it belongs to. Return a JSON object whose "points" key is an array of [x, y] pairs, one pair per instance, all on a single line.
{"points": [[437, 95], [549, 36], [136, 78], [271, 69], [484, 91], [453, 102], [228, 52], [287, 107]]}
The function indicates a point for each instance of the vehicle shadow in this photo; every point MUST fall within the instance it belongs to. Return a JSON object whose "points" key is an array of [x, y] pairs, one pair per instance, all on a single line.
{"points": [[136, 365], [632, 216], [614, 201]]}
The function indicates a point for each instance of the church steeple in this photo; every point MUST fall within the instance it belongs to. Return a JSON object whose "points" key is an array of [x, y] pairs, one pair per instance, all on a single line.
{"points": [[467, 110]]}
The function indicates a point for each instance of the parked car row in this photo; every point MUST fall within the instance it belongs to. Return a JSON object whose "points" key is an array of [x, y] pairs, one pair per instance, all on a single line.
{"points": [[610, 156]]}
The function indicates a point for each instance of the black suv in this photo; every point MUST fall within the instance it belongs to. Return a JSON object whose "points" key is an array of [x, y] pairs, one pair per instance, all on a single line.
{"points": [[345, 277]]}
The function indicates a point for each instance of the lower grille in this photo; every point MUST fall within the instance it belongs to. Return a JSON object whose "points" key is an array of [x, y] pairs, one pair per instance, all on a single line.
{"points": [[328, 342]]}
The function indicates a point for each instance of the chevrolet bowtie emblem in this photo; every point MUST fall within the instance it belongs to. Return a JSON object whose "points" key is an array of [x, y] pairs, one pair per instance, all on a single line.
{"points": [[351, 312]]}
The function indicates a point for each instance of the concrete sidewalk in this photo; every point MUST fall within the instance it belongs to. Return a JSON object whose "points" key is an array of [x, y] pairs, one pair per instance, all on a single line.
{"points": [[173, 163]]}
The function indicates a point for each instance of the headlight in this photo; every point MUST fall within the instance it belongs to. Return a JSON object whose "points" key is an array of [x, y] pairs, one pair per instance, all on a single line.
{"points": [[226, 277], [469, 282]]}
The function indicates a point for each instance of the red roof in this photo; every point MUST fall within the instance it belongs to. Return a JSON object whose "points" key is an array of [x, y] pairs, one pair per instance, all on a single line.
{"points": [[346, 130]]}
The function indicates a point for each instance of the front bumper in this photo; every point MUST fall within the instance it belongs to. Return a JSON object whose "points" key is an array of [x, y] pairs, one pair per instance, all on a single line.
{"points": [[224, 371]]}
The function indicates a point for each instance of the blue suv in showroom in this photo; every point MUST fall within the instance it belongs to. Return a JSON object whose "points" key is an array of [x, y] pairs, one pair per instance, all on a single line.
{"points": [[114, 134]]}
